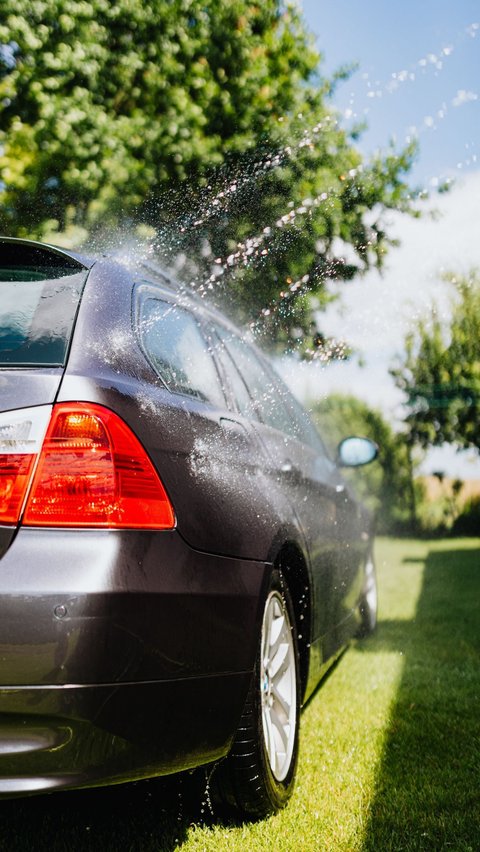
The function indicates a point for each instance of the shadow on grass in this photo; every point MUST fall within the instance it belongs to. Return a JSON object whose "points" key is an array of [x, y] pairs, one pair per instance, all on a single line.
{"points": [[428, 785], [140, 817]]}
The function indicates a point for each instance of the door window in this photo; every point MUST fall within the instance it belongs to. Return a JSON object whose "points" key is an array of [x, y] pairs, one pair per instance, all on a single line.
{"points": [[236, 384], [272, 401], [263, 394]]}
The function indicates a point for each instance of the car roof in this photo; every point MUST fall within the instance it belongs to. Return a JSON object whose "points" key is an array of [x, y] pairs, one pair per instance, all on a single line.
{"points": [[83, 260]]}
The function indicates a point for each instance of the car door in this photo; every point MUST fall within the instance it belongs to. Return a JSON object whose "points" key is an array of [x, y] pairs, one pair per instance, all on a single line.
{"points": [[325, 484], [300, 466]]}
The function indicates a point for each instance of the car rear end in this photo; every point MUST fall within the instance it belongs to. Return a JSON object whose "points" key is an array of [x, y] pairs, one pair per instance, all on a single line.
{"points": [[124, 651]]}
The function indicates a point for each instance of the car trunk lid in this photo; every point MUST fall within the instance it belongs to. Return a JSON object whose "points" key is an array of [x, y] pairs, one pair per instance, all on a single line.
{"points": [[40, 292]]}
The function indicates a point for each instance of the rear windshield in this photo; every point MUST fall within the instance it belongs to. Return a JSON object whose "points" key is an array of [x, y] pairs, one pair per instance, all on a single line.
{"points": [[39, 296]]}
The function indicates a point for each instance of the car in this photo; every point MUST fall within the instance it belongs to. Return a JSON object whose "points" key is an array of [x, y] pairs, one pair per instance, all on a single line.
{"points": [[181, 560]]}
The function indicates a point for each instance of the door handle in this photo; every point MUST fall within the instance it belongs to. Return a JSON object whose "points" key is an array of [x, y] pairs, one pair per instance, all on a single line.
{"points": [[289, 468]]}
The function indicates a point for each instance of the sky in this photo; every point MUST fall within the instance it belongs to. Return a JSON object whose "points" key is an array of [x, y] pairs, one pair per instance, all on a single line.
{"points": [[418, 76]]}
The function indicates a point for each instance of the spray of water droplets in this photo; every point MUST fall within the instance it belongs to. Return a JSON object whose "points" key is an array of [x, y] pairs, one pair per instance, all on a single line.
{"points": [[432, 62], [257, 249]]}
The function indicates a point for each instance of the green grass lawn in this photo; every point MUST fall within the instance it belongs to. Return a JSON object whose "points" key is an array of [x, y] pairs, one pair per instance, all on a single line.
{"points": [[390, 755]]}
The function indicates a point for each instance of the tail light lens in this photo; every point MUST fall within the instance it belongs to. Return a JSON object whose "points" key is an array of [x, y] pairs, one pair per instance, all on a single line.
{"points": [[92, 471], [21, 437]]}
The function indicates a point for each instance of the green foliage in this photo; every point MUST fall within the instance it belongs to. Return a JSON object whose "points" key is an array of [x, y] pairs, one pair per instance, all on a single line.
{"points": [[386, 485], [114, 102], [205, 120], [438, 515], [440, 373]]}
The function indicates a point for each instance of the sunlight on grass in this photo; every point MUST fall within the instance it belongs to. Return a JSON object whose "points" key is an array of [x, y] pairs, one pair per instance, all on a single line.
{"points": [[400, 566], [342, 736], [426, 795], [341, 747]]}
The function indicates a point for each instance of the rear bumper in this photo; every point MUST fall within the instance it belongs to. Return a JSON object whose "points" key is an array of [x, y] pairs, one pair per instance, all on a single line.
{"points": [[122, 655], [57, 737]]}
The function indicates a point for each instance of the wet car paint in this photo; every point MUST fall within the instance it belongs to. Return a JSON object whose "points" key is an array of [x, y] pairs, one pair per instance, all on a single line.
{"points": [[129, 653]]}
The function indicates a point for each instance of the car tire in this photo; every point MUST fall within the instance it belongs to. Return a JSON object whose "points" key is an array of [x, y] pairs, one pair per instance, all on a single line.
{"points": [[258, 775], [369, 601]]}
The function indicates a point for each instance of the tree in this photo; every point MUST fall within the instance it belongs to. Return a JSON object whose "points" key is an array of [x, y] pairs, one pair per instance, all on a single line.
{"points": [[206, 120], [440, 372], [387, 485]]}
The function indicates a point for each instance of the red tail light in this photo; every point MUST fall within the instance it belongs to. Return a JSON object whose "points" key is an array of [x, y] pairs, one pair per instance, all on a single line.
{"points": [[92, 472], [21, 437], [15, 474]]}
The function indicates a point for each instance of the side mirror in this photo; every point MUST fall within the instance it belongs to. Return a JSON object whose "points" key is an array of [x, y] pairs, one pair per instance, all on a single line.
{"points": [[354, 452]]}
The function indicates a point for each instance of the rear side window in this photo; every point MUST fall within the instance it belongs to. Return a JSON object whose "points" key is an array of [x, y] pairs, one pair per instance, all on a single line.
{"points": [[236, 384], [301, 427], [272, 399], [260, 383], [40, 293], [176, 348]]}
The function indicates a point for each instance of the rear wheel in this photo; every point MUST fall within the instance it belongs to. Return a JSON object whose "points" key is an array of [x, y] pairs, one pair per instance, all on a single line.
{"points": [[258, 775]]}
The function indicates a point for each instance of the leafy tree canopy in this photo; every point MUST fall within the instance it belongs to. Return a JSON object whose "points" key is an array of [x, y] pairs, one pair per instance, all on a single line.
{"points": [[208, 122], [440, 372]]}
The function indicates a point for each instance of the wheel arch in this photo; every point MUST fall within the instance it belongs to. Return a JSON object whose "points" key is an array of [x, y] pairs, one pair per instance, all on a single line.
{"points": [[291, 563]]}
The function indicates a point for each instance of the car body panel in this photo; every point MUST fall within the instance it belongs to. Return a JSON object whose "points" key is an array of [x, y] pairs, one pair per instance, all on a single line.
{"points": [[106, 606], [210, 460], [23, 388], [122, 654]]}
